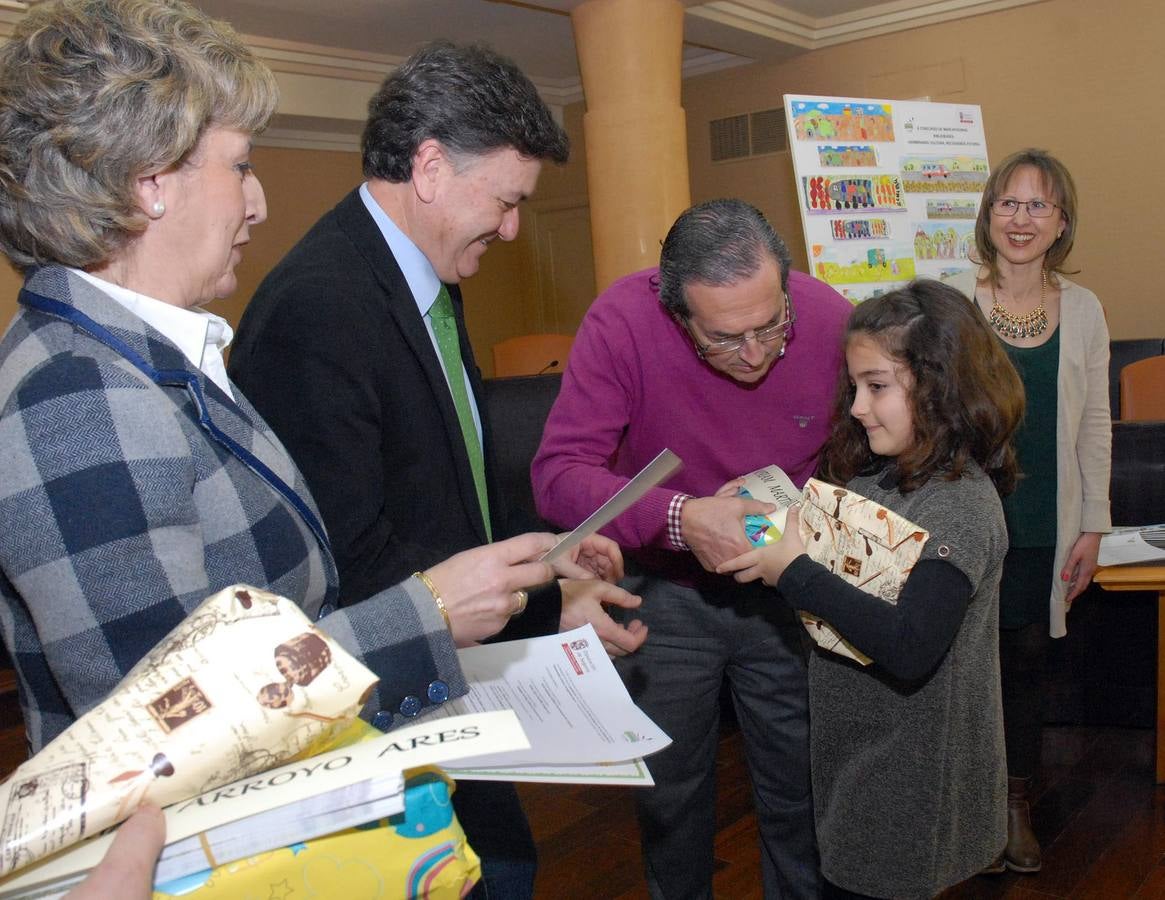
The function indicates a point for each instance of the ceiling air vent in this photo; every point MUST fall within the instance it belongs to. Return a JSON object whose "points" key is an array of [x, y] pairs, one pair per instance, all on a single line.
{"points": [[729, 138], [751, 134]]}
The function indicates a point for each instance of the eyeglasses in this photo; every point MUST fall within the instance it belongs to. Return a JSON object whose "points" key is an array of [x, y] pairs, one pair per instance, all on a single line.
{"points": [[765, 335], [1037, 209]]}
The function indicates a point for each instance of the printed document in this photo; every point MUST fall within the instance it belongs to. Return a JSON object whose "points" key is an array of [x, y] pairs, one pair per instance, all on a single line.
{"points": [[569, 699]]}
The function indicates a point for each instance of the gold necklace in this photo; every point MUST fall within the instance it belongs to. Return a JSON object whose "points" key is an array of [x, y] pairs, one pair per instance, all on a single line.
{"points": [[1031, 325]]}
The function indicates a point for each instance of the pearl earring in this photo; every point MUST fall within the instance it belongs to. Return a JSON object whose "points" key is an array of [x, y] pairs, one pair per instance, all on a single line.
{"points": [[159, 207]]}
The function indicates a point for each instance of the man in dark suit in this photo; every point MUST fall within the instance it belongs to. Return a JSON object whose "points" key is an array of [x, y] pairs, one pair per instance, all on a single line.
{"points": [[354, 349]]}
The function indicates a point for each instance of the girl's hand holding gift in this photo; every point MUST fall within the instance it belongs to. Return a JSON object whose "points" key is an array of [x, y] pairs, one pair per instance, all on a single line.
{"points": [[768, 563]]}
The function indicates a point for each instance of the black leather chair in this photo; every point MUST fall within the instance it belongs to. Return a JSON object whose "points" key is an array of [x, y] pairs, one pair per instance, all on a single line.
{"points": [[518, 408], [1137, 487]]}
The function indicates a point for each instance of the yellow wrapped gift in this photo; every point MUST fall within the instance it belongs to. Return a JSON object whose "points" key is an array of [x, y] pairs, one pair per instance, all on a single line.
{"points": [[420, 853]]}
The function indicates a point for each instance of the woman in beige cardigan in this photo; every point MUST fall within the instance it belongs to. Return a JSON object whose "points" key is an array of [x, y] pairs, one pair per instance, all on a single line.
{"points": [[1054, 332]]}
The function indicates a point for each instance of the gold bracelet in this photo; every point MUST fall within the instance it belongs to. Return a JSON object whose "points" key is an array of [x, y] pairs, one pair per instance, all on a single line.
{"points": [[428, 582]]}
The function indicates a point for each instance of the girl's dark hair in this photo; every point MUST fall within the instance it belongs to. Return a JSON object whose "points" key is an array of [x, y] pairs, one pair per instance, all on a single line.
{"points": [[966, 400]]}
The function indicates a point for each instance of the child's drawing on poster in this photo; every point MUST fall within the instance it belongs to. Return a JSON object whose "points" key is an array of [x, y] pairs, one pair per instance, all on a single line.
{"points": [[889, 189], [951, 209], [852, 264], [834, 193], [826, 120], [943, 174], [859, 229], [848, 156], [943, 241], [856, 293]]}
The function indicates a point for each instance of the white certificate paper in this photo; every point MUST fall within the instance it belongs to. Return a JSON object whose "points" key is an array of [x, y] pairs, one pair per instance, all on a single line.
{"points": [[571, 703]]}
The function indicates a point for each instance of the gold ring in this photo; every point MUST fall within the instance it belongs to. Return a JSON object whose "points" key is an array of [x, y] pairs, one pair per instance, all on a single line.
{"points": [[522, 599]]}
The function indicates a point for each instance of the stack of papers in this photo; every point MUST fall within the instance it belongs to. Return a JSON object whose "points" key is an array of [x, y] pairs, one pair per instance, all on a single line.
{"points": [[1136, 544], [581, 722], [329, 812], [295, 802]]}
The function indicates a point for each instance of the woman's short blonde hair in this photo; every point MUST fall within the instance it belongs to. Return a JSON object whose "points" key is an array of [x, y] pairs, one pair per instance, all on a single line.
{"points": [[95, 94]]}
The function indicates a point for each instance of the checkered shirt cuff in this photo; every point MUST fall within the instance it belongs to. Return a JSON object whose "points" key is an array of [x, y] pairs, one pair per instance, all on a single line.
{"points": [[675, 532]]}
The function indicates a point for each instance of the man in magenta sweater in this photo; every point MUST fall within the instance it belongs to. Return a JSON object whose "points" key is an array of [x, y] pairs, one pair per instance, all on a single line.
{"points": [[731, 360]]}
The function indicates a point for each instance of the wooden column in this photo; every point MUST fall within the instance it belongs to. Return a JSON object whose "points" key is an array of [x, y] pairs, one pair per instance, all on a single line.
{"points": [[630, 55]]}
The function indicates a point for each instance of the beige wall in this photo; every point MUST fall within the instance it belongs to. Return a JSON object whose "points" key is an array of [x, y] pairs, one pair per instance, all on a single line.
{"points": [[10, 283], [502, 298], [301, 185], [1079, 78]]}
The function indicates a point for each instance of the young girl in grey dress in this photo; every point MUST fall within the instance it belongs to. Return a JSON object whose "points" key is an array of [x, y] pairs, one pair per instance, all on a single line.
{"points": [[907, 753]]}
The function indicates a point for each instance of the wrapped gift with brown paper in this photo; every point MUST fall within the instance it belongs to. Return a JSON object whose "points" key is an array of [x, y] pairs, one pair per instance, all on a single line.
{"points": [[245, 683], [865, 543]]}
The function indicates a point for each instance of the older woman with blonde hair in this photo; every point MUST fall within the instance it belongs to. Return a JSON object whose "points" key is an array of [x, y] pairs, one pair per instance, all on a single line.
{"points": [[136, 479]]}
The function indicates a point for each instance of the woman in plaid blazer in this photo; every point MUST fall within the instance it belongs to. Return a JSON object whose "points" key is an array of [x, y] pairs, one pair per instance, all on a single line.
{"points": [[136, 480]]}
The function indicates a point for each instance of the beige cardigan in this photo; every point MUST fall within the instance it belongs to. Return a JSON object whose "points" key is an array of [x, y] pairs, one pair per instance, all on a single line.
{"points": [[1083, 425]]}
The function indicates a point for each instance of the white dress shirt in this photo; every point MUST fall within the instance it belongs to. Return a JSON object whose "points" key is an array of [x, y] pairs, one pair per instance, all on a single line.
{"points": [[200, 335]]}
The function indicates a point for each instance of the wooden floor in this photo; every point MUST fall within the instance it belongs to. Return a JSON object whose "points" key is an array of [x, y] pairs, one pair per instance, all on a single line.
{"points": [[1097, 812]]}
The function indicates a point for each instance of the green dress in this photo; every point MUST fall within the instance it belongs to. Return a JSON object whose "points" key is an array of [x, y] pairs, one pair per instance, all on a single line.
{"points": [[1030, 510]]}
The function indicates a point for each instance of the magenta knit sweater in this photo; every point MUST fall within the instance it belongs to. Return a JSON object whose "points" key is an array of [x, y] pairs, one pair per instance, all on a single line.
{"points": [[634, 385]]}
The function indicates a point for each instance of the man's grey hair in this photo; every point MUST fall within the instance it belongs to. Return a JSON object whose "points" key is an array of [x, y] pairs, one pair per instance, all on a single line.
{"points": [[716, 243]]}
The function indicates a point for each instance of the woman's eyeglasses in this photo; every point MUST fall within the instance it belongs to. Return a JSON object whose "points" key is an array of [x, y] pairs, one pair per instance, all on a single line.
{"points": [[1037, 209]]}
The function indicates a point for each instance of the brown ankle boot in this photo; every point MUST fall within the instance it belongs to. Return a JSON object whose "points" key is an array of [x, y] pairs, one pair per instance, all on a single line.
{"points": [[1022, 853]]}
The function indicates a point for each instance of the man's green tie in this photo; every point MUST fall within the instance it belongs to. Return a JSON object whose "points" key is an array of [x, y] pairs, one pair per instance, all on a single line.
{"points": [[445, 329]]}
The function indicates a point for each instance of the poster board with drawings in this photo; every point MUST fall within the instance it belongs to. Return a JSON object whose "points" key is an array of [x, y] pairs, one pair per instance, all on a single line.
{"points": [[888, 190]]}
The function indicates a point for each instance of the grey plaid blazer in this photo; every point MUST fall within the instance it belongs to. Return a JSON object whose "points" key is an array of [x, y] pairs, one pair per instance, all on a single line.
{"points": [[132, 487]]}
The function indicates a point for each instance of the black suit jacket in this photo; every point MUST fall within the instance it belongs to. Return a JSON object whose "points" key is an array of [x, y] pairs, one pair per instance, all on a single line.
{"points": [[334, 354]]}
